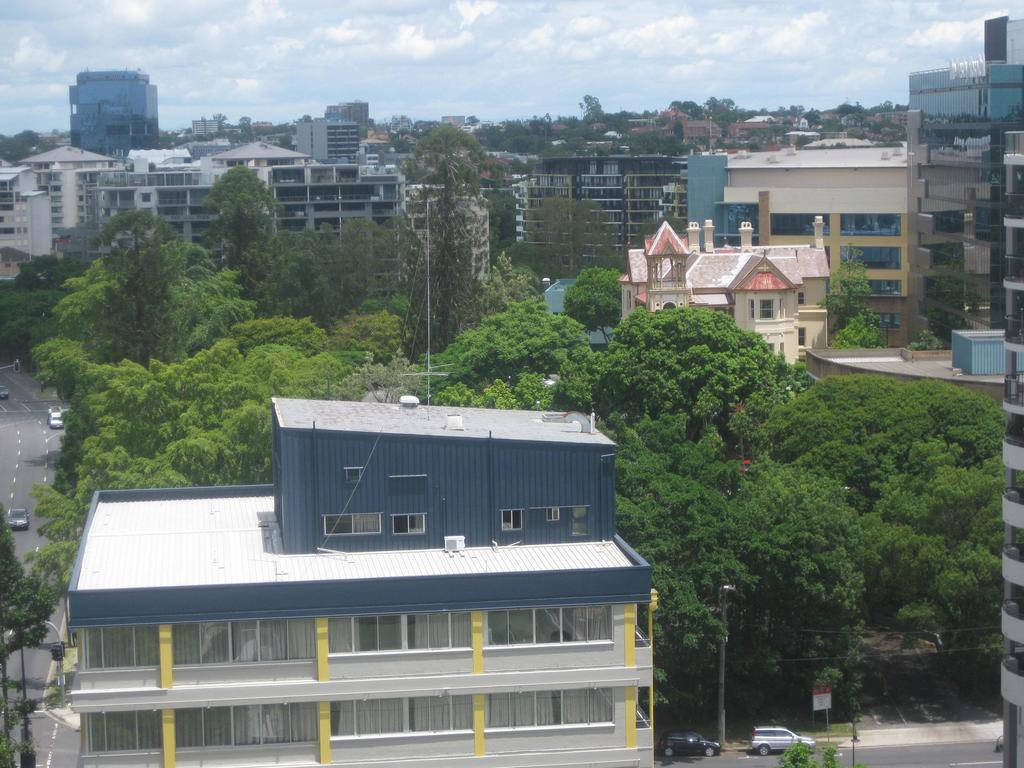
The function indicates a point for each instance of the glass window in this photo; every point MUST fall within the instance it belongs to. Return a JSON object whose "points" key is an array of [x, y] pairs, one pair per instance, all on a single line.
{"points": [[339, 635], [872, 256], [149, 726], [801, 336], [547, 625], [121, 733], [886, 287], [520, 627], [800, 298], [217, 726], [575, 706], [389, 633], [366, 633], [304, 722], [497, 627], [408, 524], [95, 731], [889, 319], [869, 224], [498, 710], [379, 716], [246, 722], [302, 639], [215, 642], [274, 724], [429, 713], [343, 719], [579, 520], [767, 309], [752, 306], [549, 707], [601, 707], [93, 648], [188, 728], [796, 223], [521, 710], [245, 641], [352, 474], [147, 645], [273, 640], [360, 523], [511, 519], [118, 647], [599, 622], [461, 630], [574, 624], [552, 514]]}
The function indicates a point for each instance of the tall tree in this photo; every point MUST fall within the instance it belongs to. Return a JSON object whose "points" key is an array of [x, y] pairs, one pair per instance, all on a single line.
{"points": [[447, 162], [595, 300], [590, 106], [848, 294], [245, 209], [574, 235]]}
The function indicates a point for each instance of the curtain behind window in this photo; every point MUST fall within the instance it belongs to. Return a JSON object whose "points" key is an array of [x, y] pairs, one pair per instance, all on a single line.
{"points": [[93, 648], [601, 707], [274, 719], [439, 630], [217, 726], [149, 729], [549, 707], [339, 635], [245, 640], [96, 732], [302, 639], [575, 708], [118, 647], [498, 713], [522, 709], [547, 623], [273, 640], [246, 724], [419, 631], [462, 713], [147, 645], [461, 631], [343, 719], [120, 731], [185, 643], [215, 642], [305, 722], [599, 622], [188, 728]]}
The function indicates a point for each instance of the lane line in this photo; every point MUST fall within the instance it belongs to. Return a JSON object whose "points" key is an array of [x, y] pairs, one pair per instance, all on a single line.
{"points": [[985, 762]]}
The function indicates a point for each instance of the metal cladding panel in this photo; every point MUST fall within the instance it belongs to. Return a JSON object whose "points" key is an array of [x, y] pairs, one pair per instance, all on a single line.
{"points": [[630, 584], [459, 483]]}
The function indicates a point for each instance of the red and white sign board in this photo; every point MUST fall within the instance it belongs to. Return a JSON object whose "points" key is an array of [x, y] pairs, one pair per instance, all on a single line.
{"points": [[821, 696]]}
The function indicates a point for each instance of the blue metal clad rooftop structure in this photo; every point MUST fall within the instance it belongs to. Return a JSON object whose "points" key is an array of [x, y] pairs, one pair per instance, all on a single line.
{"points": [[412, 460]]}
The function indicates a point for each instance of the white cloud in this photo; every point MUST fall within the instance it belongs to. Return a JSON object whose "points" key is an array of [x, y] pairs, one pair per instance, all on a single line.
{"points": [[879, 56], [950, 34], [691, 69], [246, 84], [263, 12], [131, 12], [586, 26], [538, 39], [799, 37], [658, 37], [410, 41], [346, 33], [471, 10], [33, 53]]}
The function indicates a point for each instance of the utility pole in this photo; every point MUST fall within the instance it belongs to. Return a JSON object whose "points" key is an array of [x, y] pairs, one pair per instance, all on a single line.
{"points": [[723, 597]]}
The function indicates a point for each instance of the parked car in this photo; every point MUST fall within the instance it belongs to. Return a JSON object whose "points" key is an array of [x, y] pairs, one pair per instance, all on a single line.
{"points": [[687, 743], [17, 519], [56, 419], [767, 739], [4, 392]]}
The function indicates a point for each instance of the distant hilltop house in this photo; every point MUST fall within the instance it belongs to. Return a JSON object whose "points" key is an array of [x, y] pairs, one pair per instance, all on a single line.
{"points": [[773, 290]]}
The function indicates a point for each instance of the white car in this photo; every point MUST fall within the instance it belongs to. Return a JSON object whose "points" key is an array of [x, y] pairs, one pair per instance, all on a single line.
{"points": [[56, 419]]}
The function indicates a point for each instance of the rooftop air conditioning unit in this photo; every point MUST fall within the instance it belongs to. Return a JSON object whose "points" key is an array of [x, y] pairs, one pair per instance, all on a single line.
{"points": [[454, 543]]}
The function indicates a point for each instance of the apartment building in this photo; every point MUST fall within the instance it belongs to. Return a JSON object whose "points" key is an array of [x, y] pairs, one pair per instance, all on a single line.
{"points": [[311, 195], [25, 226], [207, 126], [435, 586], [68, 175], [860, 193], [633, 193], [774, 291], [957, 124], [352, 111], [1013, 452], [328, 140]]}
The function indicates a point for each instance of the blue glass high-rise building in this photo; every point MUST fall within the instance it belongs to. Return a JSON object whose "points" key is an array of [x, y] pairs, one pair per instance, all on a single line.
{"points": [[113, 112]]}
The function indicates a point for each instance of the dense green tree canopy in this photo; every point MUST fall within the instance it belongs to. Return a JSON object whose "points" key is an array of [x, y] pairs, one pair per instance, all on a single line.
{"points": [[595, 299]]}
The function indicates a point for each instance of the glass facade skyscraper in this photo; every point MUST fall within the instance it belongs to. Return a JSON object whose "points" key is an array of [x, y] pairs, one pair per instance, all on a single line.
{"points": [[957, 125], [114, 112]]}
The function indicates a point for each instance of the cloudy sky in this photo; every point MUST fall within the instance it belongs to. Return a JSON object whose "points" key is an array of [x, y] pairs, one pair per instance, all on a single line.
{"points": [[279, 59]]}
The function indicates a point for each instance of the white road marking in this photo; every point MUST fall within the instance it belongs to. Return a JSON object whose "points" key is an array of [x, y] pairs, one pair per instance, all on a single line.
{"points": [[986, 762]]}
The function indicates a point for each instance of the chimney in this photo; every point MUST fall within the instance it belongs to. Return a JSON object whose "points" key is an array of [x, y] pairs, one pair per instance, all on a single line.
{"points": [[709, 236], [693, 236], [819, 232], [747, 236]]}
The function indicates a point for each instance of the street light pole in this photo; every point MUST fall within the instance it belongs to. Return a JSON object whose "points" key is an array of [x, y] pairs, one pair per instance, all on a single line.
{"points": [[723, 597], [26, 737]]}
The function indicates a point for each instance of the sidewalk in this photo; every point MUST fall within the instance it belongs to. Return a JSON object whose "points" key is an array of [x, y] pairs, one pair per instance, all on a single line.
{"points": [[932, 733], [65, 717]]}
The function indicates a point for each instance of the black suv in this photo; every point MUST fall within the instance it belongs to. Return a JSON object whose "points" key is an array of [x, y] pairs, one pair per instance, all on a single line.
{"points": [[687, 743], [17, 519]]}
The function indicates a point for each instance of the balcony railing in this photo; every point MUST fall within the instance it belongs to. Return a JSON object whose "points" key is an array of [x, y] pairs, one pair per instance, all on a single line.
{"points": [[1015, 495], [1014, 663], [1015, 205], [1012, 551], [1013, 608], [1014, 143], [1013, 389]]}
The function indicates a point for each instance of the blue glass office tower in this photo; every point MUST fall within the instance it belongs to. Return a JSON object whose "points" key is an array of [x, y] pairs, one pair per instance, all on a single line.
{"points": [[957, 124], [113, 112]]}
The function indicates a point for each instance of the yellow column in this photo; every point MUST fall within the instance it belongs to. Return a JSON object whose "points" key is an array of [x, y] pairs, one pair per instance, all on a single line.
{"points": [[479, 747], [477, 621], [650, 639], [167, 723], [630, 635], [322, 669], [325, 732], [631, 717], [166, 657]]}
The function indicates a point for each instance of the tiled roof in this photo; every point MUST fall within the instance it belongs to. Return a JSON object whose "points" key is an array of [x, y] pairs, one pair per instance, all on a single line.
{"points": [[765, 281], [67, 155], [259, 150]]}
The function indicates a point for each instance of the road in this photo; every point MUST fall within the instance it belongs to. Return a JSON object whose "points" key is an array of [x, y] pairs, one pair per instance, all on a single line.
{"points": [[969, 755], [28, 450]]}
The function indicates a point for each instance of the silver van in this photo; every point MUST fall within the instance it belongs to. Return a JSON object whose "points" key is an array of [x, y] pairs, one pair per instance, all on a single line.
{"points": [[767, 739]]}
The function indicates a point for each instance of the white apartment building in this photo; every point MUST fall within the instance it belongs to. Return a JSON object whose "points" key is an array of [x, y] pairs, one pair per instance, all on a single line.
{"points": [[25, 222], [400, 595], [69, 175]]}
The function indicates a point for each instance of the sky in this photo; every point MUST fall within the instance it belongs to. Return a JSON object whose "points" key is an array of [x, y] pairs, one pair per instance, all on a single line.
{"points": [[496, 59]]}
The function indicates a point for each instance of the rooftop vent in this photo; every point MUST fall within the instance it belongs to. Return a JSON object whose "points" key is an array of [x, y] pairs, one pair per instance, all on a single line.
{"points": [[455, 422], [409, 401], [772, 159], [885, 155]]}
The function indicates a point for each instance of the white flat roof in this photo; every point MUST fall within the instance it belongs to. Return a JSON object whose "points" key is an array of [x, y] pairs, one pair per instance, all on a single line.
{"points": [[217, 540], [849, 157], [426, 420]]}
